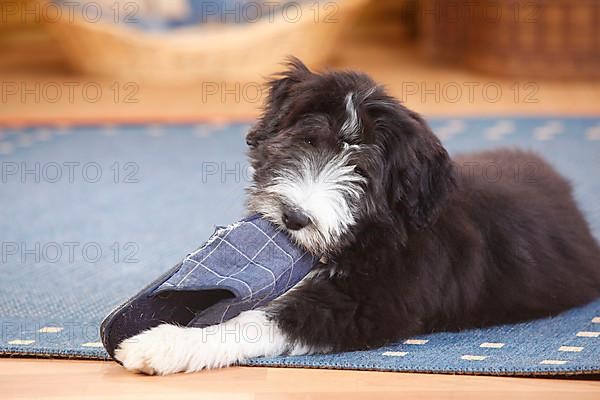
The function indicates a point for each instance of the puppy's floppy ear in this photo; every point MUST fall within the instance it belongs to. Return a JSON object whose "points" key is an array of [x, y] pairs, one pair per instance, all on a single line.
{"points": [[421, 172], [279, 89], [430, 178]]}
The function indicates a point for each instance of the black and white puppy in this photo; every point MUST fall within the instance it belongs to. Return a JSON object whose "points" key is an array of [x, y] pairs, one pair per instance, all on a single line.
{"points": [[411, 243]]}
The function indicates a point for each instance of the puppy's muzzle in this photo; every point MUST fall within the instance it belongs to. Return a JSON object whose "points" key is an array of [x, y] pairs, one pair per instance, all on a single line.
{"points": [[294, 219]]}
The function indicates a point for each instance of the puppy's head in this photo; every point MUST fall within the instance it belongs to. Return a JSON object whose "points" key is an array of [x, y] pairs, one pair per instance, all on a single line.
{"points": [[333, 153]]}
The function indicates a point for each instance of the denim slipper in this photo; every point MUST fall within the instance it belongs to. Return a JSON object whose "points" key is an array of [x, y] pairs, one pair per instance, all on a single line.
{"points": [[241, 267]]}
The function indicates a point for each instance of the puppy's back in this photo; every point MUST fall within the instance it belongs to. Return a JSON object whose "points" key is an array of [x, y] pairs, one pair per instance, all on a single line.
{"points": [[542, 254]]}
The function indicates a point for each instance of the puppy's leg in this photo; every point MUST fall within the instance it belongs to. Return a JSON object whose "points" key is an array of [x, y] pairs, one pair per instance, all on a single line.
{"points": [[325, 316], [167, 349], [317, 317]]}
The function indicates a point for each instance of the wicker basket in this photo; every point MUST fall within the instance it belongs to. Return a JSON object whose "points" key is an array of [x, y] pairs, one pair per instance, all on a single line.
{"points": [[220, 52], [532, 38]]}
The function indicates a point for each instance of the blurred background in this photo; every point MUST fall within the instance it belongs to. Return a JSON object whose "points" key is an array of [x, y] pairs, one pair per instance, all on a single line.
{"points": [[188, 60], [122, 126]]}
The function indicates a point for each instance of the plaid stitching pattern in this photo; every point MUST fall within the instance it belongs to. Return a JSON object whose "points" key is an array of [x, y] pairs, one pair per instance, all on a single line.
{"points": [[252, 258]]}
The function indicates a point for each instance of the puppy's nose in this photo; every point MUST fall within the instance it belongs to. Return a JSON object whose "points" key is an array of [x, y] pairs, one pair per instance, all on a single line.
{"points": [[295, 219]]}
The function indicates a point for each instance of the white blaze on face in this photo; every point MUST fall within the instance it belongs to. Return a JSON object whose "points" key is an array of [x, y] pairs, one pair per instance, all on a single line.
{"points": [[350, 130], [326, 191], [351, 127]]}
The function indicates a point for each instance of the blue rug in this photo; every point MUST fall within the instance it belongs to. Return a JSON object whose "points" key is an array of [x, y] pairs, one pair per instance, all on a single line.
{"points": [[90, 214]]}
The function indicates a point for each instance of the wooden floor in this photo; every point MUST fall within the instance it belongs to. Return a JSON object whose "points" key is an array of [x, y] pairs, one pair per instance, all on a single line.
{"points": [[402, 70], [43, 379]]}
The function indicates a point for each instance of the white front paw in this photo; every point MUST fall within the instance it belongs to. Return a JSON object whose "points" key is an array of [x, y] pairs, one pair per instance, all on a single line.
{"points": [[168, 349], [157, 351]]}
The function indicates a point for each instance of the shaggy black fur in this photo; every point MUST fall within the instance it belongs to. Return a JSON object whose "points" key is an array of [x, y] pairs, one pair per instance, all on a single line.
{"points": [[439, 244]]}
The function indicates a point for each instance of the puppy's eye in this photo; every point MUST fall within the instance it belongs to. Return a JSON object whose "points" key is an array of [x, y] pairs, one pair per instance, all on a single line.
{"points": [[308, 141], [251, 141], [360, 171]]}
